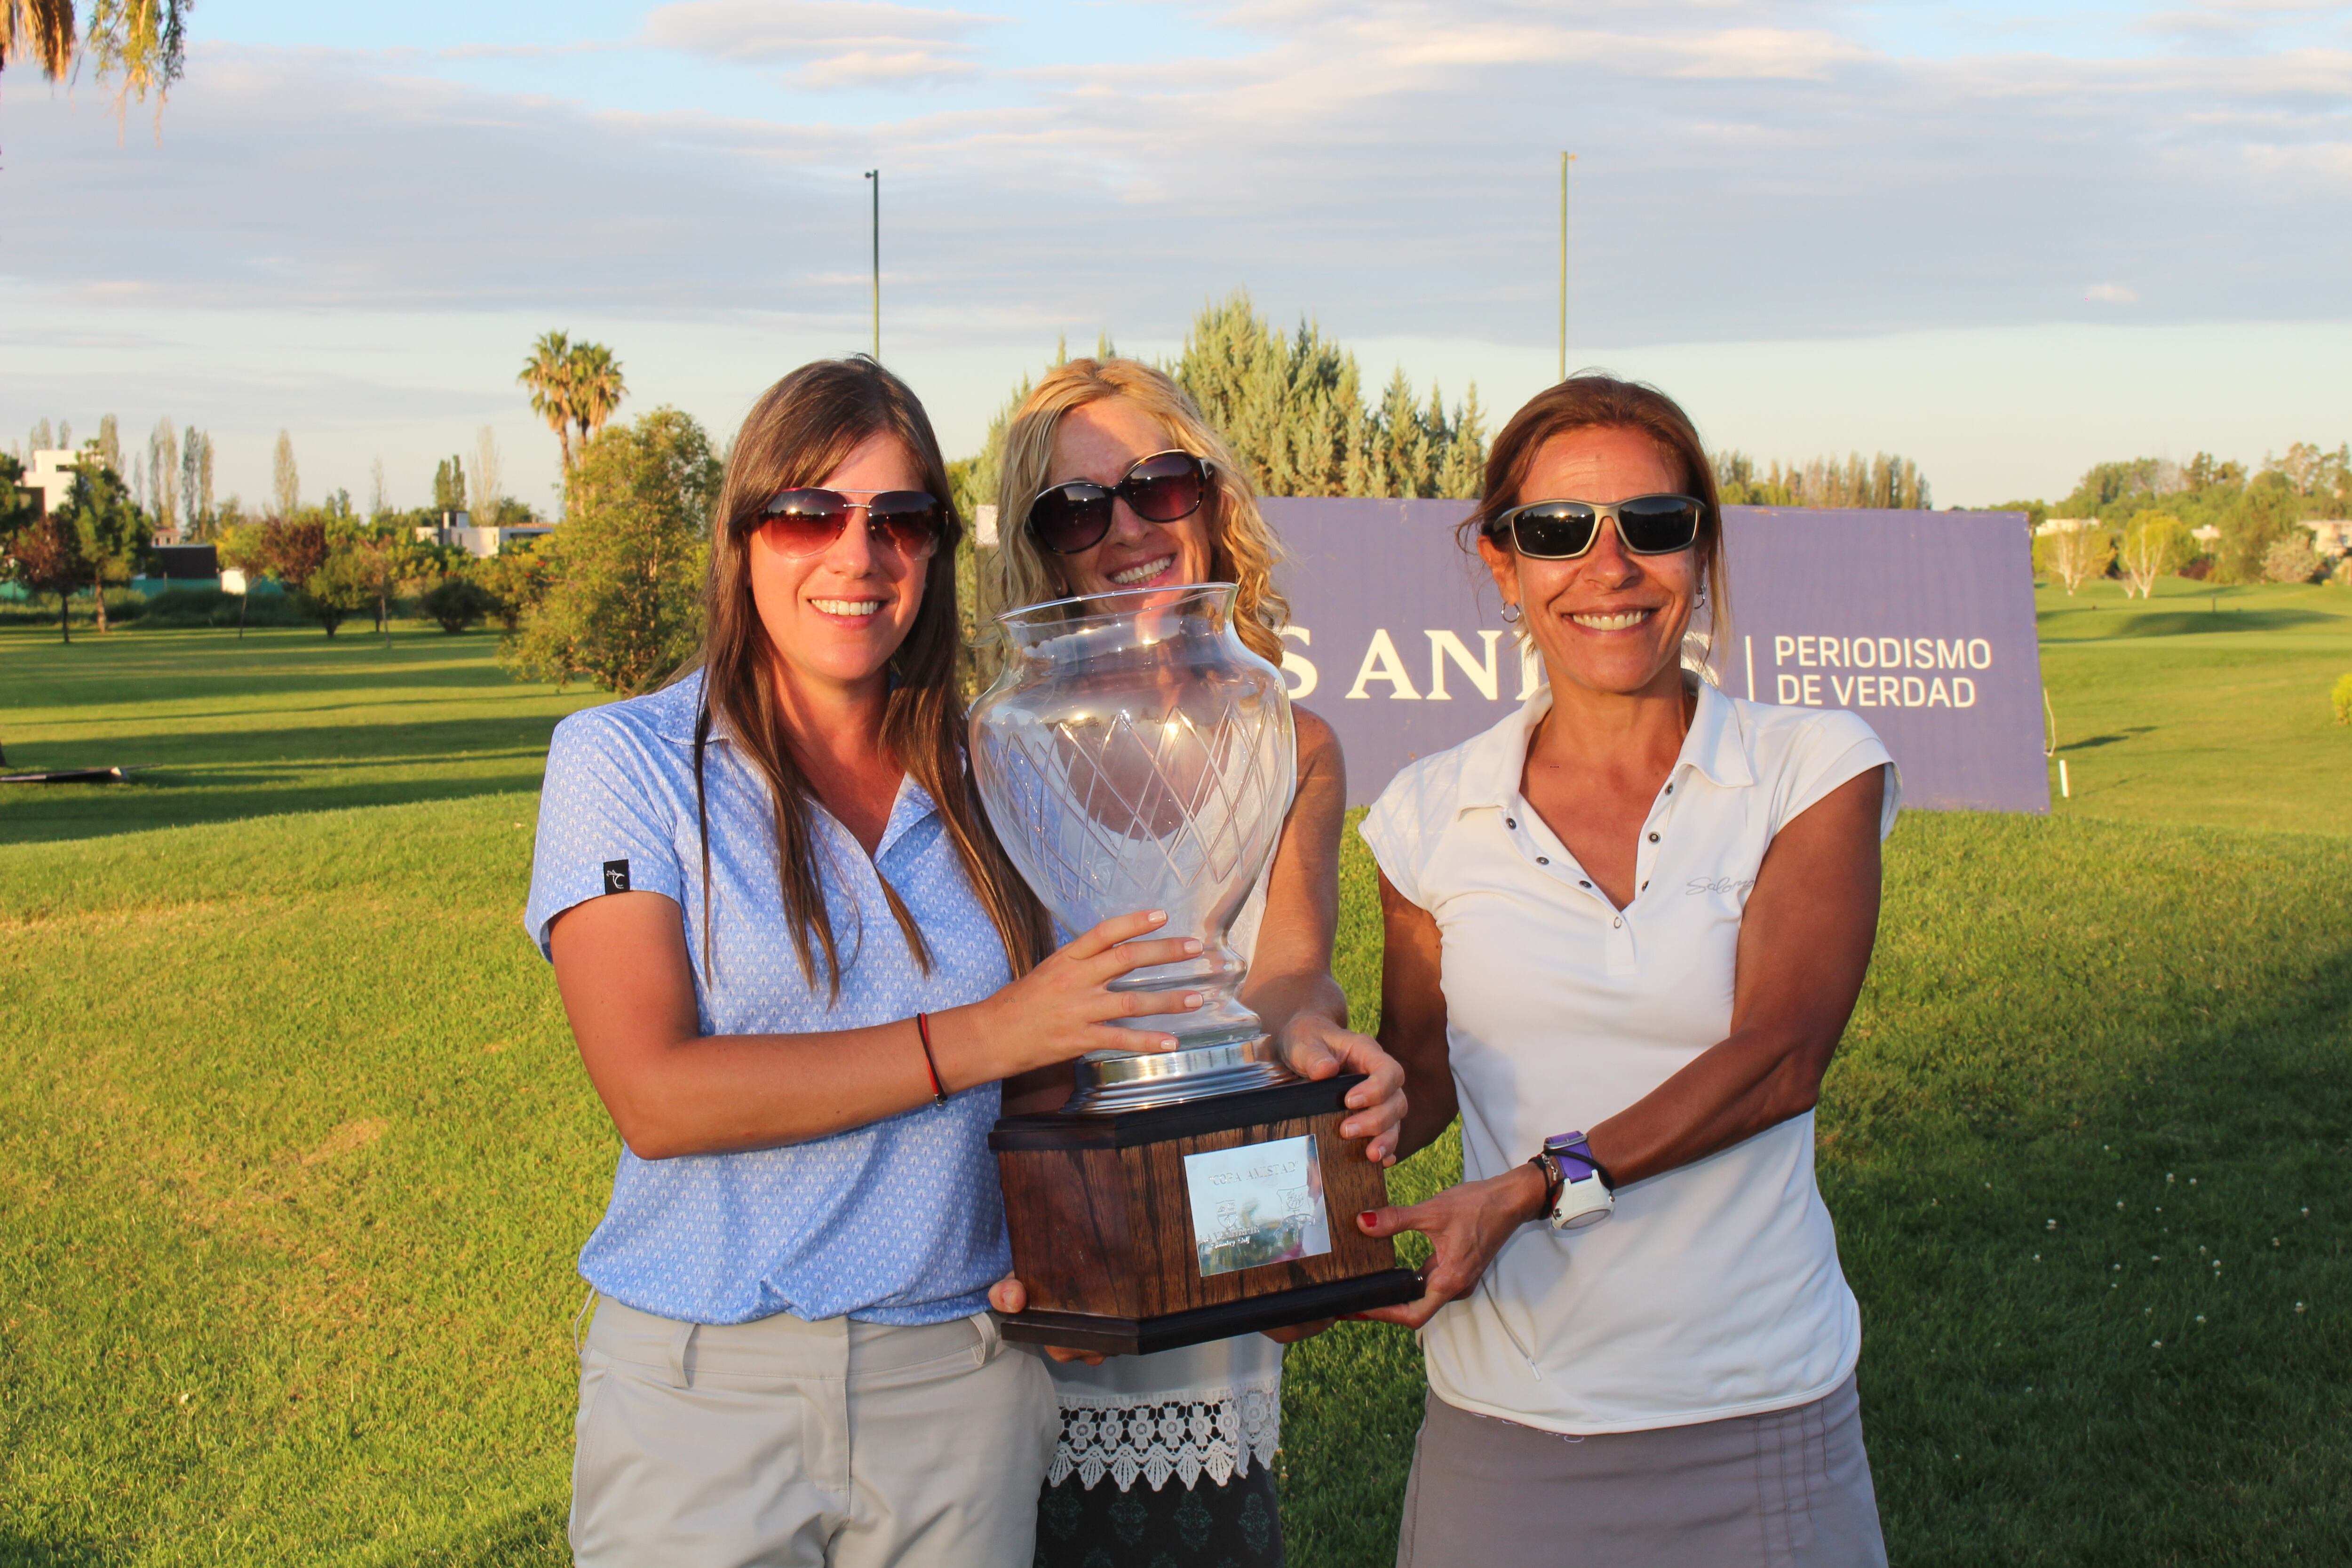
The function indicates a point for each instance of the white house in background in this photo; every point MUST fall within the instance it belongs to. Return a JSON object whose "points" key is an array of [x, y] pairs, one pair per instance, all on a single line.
{"points": [[456, 528], [2330, 535], [51, 477], [2065, 524], [2209, 534]]}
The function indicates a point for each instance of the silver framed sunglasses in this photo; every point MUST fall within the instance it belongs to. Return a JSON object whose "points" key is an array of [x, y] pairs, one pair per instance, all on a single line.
{"points": [[1565, 530]]}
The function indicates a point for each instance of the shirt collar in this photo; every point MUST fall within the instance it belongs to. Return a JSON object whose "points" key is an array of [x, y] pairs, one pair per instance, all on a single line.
{"points": [[1716, 746], [674, 710]]}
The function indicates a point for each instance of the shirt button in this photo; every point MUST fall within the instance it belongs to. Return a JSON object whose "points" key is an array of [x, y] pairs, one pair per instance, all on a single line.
{"points": [[1653, 838], [1583, 884], [1670, 789], [1618, 921], [1511, 821], [1543, 859]]}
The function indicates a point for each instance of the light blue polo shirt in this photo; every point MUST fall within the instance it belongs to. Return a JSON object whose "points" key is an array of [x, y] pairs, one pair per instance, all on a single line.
{"points": [[900, 1221]]}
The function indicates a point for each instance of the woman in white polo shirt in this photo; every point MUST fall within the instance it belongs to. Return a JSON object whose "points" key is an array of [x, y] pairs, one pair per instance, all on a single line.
{"points": [[1626, 928]]}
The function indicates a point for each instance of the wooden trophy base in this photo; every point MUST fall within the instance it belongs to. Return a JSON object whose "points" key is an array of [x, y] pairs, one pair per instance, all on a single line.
{"points": [[1107, 1216]]}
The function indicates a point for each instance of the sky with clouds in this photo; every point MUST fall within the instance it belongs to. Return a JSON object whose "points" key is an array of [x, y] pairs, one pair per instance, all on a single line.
{"points": [[2007, 240]]}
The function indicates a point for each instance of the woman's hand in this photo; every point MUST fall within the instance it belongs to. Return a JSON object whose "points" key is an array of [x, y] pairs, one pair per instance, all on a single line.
{"points": [[1313, 1046], [1467, 1225], [1009, 1295], [1063, 1008]]}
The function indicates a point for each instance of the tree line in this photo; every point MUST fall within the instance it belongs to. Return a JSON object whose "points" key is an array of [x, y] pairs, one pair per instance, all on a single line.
{"points": [[2139, 519]]}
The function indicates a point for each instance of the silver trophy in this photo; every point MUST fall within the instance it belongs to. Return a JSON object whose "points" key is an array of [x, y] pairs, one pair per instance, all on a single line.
{"points": [[1134, 755]]}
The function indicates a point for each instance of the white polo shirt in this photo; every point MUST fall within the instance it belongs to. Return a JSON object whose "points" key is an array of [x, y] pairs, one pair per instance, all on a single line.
{"points": [[1714, 1290]]}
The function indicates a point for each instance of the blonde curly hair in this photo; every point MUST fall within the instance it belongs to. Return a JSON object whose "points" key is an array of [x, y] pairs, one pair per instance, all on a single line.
{"points": [[1242, 549]]}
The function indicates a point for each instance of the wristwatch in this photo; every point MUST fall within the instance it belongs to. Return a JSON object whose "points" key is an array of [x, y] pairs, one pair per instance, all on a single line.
{"points": [[1577, 1191]]}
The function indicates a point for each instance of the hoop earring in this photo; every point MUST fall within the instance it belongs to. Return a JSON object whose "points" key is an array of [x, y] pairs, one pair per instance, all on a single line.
{"points": [[1702, 593], [1510, 611]]}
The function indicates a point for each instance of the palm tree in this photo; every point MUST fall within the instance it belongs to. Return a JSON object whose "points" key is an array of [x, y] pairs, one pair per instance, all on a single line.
{"points": [[44, 28], [143, 42], [549, 374], [596, 387]]}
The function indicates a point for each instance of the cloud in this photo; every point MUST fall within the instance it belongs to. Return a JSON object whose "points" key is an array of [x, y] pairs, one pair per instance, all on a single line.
{"points": [[770, 31], [1745, 171]]}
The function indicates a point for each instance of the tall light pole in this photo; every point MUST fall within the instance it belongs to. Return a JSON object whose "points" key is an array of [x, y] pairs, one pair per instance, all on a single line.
{"points": [[875, 175], [1565, 159]]}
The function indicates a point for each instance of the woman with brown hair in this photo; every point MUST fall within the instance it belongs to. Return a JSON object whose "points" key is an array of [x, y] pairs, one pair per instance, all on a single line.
{"points": [[1112, 482], [797, 964], [1625, 928]]}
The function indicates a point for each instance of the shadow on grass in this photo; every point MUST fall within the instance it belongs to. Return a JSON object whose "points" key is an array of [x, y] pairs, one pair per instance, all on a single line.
{"points": [[217, 778], [64, 1550], [2108, 739], [2186, 623], [529, 1538]]}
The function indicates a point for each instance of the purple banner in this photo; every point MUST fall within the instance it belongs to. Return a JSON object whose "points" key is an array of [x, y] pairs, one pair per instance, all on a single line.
{"points": [[1920, 621]]}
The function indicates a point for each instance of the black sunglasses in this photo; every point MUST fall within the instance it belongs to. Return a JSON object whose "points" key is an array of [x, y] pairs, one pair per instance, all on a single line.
{"points": [[1162, 487], [804, 521], [1564, 529]]}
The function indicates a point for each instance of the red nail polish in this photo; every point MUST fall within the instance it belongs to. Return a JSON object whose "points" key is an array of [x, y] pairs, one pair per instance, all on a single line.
{"points": [[1366, 1218]]}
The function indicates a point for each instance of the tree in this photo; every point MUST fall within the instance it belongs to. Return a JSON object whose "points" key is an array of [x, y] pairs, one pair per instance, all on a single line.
{"points": [[457, 602], [39, 551], [1292, 408], [449, 486], [350, 578], [164, 476], [2079, 552], [515, 579], [196, 482], [285, 480], [142, 42], [623, 606], [485, 480], [1886, 482], [109, 534], [548, 373], [109, 443], [2291, 561], [291, 549], [379, 498], [596, 388], [2265, 514], [2154, 544]]}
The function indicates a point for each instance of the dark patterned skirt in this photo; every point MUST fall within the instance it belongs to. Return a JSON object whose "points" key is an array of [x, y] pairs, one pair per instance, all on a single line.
{"points": [[1205, 1525]]}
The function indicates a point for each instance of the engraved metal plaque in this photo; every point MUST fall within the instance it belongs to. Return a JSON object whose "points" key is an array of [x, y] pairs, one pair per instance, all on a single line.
{"points": [[1262, 1203]]}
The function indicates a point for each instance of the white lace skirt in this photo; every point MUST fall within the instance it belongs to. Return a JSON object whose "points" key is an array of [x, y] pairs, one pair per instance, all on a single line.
{"points": [[1213, 1409]]}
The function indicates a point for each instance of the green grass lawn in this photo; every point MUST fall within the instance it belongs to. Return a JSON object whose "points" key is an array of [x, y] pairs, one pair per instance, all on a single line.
{"points": [[2201, 705], [295, 1155]]}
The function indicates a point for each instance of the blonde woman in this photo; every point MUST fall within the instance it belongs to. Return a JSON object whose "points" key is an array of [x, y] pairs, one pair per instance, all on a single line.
{"points": [[1113, 481]]}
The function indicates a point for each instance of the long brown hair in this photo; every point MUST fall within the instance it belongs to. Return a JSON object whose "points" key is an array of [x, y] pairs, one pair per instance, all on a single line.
{"points": [[1243, 550], [1591, 401], [800, 430]]}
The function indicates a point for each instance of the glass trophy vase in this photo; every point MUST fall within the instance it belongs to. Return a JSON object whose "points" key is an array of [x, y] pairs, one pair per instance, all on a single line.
{"points": [[1135, 755]]}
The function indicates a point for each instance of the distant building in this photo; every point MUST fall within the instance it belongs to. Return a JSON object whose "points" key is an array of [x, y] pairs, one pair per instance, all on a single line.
{"points": [[51, 478], [455, 529], [2209, 534], [2330, 535], [2066, 524]]}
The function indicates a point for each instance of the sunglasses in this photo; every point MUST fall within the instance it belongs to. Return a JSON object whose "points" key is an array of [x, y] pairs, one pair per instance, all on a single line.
{"points": [[1162, 487], [804, 521], [1565, 530]]}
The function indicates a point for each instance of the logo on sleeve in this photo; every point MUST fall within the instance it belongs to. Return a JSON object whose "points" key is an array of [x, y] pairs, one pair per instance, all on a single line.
{"points": [[617, 876]]}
